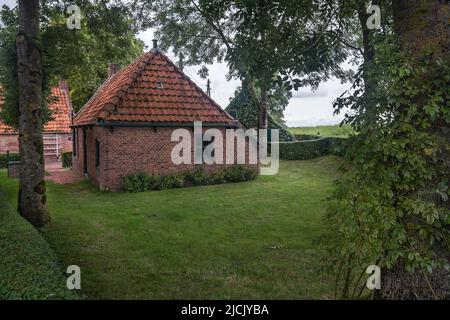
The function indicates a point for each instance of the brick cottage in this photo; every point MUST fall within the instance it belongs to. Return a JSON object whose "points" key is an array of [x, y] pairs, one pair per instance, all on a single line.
{"points": [[126, 126], [57, 133]]}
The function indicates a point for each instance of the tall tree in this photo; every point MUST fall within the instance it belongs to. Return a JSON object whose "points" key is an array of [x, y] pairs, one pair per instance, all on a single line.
{"points": [[423, 32], [32, 199], [81, 56], [263, 42], [393, 210]]}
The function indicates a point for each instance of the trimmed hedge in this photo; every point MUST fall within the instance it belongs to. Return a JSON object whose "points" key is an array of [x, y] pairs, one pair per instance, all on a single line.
{"points": [[66, 158], [309, 149], [28, 267], [12, 157], [303, 137]]}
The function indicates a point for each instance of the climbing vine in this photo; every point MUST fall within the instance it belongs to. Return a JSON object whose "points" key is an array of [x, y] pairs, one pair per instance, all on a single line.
{"points": [[392, 208]]}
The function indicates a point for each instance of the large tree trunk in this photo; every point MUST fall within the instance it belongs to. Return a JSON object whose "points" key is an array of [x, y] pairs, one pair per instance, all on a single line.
{"points": [[421, 26], [32, 199]]}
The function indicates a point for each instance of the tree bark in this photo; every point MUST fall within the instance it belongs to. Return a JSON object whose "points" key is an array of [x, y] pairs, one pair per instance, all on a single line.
{"points": [[368, 44], [261, 104], [32, 204], [423, 25], [422, 28], [262, 118]]}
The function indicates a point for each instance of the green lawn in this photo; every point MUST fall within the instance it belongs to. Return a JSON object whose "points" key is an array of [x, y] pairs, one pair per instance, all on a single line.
{"points": [[252, 240], [325, 131]]}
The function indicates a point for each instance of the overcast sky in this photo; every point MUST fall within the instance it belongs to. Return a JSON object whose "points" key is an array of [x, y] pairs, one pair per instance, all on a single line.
{"points": [[306, 108]]}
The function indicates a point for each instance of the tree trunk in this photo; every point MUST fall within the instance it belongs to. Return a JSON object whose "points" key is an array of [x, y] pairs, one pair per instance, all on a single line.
{"points": [[32, 199], [262, 113], [421, 26], [368, 44], [261, 104]]}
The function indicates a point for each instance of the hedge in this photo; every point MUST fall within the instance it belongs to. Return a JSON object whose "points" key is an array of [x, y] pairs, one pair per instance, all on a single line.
{"points": [[3, 159], [141, 181], [28, 267], [303, 137], [66, 158], [309, 149]]}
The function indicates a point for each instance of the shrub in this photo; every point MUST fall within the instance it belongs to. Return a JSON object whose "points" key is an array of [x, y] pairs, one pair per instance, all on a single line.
{"points": [[218, 177], [141, 181], [309, 149], [155, 183], [66, 159], [137, 182], [4, 159], [239, 173], [172, 181], [197, 177], [303, 137]]}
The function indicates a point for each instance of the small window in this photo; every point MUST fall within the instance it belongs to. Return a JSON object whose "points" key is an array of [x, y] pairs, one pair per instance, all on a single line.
{"points": [[74, 142], [97, 153]]}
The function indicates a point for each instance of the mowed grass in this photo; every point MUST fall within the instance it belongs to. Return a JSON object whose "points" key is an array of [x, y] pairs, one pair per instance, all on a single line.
{"points": [[252, 240], [325, 131]]}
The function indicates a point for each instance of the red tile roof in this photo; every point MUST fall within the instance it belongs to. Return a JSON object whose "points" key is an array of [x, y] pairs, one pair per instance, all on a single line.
{"points": [[151, 89], [61, 114]]}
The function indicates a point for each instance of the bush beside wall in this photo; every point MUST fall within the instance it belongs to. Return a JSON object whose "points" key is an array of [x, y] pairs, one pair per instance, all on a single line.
{"points": [[141, 181], [309, 149], [28, 267], [4, 160], [66, 158]]}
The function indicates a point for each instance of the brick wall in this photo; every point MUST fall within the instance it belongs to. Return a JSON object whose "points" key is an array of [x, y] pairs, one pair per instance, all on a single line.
{"points": [[96, 174], [127, 150], [9, 142]]}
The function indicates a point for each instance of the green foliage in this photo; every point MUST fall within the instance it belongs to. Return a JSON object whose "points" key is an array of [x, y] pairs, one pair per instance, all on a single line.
{"points": [[29, 268], [4, 159], [137, 182], [171, 181], [393, 208], [243, 106], [9, 83], [303, 137], [107, 35], [197, 177], [239, 173], [66, 159], [251, 37], [141, 181], [309, 149], [218, 177]]}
